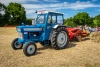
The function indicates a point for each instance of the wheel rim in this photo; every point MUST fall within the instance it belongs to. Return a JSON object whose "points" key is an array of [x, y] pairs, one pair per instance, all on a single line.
{"points": [[17, 45], [62, 39], [31, 49]]}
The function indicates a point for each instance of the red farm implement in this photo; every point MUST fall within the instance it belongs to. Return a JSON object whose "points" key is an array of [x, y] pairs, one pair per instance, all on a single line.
{"points": [[76, 34]]}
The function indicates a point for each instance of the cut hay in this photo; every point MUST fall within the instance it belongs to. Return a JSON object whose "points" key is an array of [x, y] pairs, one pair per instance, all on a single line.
{"points": [[95, 36]]}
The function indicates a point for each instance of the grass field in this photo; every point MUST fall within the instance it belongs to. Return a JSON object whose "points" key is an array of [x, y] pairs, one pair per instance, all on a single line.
{"points": [[77, 54]]}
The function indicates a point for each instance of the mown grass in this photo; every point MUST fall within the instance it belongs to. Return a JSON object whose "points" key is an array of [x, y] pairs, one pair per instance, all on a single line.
{"points": [[77, 54]]}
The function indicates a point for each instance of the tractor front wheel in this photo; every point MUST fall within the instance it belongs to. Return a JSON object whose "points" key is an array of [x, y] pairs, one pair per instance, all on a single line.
{"points": [[15, 45], [29, 49]]}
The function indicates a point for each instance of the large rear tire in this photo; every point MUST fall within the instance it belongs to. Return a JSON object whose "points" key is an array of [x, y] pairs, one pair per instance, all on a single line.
{"points": [[59, 38], [29, 49]]}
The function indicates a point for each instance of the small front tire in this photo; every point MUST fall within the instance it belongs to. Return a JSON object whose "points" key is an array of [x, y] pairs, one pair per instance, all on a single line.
{"points": [[15, 45], [30, 49]]}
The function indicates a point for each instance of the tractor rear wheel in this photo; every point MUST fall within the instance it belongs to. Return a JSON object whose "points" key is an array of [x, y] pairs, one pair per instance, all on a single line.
{"points": [[59, 38], [29, 49], [15, 45]]}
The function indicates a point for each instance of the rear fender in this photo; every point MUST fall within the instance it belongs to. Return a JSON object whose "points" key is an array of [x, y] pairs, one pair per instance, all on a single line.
{"points": [[55, 27]]}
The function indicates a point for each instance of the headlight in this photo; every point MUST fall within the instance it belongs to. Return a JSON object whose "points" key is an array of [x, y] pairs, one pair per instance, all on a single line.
{"points": [[20, 35], [18, 29]]}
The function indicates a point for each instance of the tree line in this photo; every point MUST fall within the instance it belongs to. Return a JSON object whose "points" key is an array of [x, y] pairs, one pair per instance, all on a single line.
{"points": [[15, 13], [83, 18]]}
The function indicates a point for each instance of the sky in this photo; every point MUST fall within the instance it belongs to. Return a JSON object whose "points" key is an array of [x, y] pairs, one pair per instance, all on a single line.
{"points": [[68, 7]]}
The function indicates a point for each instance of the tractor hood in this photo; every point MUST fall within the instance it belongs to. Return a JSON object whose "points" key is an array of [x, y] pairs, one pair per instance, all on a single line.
{"points": [[29, 28]]}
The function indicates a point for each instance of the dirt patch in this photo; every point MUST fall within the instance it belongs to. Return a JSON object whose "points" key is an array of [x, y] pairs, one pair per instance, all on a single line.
{"points": [[77, 54]]}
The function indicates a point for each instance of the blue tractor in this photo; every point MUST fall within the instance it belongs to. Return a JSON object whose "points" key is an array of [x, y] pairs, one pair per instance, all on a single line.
{"points": [[47, 29]]}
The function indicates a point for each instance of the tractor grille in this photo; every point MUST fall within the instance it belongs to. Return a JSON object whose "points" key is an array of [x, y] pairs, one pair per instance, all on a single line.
{"points": [[34, 34]]}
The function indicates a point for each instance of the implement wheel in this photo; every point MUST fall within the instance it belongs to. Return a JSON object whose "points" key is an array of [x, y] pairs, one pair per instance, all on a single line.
{"points": [[79, 38]]}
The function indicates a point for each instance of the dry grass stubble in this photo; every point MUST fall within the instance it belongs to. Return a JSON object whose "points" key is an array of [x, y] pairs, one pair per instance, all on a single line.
{"points": [[95, 36], [77, 54]]}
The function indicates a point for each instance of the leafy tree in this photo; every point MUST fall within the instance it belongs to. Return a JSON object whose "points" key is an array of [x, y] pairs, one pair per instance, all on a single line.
{"points": [[82, 18], [91, 22], [97, 20], [28, 21], [69, 22], [97, 17], [16, 13], [96, 23], [2, 14]]}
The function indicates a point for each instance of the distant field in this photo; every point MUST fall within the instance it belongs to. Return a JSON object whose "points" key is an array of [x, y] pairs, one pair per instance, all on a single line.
{"points": [[77, 54]]}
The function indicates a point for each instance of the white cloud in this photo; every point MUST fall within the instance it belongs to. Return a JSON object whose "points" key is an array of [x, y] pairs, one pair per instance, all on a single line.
{"points": [[65, 5], [56, 5], [30, 8], [81, 5], [19, 1], [8, 1], [51, 0]]}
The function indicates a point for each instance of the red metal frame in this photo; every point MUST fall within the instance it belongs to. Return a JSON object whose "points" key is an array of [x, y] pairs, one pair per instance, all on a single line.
{"points": [[75, 32]]}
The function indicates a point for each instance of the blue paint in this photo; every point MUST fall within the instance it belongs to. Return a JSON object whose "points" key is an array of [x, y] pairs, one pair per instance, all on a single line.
{"points": [[42, 34], [30, 49]]}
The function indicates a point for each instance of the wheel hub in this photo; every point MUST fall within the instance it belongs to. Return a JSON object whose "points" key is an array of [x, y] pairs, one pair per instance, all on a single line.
{"points": [[61, 39], [31, 49], [17, 45]]}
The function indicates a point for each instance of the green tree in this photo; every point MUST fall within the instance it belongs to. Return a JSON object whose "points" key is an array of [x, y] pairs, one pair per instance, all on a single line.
{"points": [[2, 14], [91, 22], [16, 13], [69, 22], [28, 21], [97, 17], [97, 20], [82, 18]]}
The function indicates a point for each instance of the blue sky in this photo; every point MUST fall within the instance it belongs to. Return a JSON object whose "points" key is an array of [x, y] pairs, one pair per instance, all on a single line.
{"points": [[68, 7]]}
